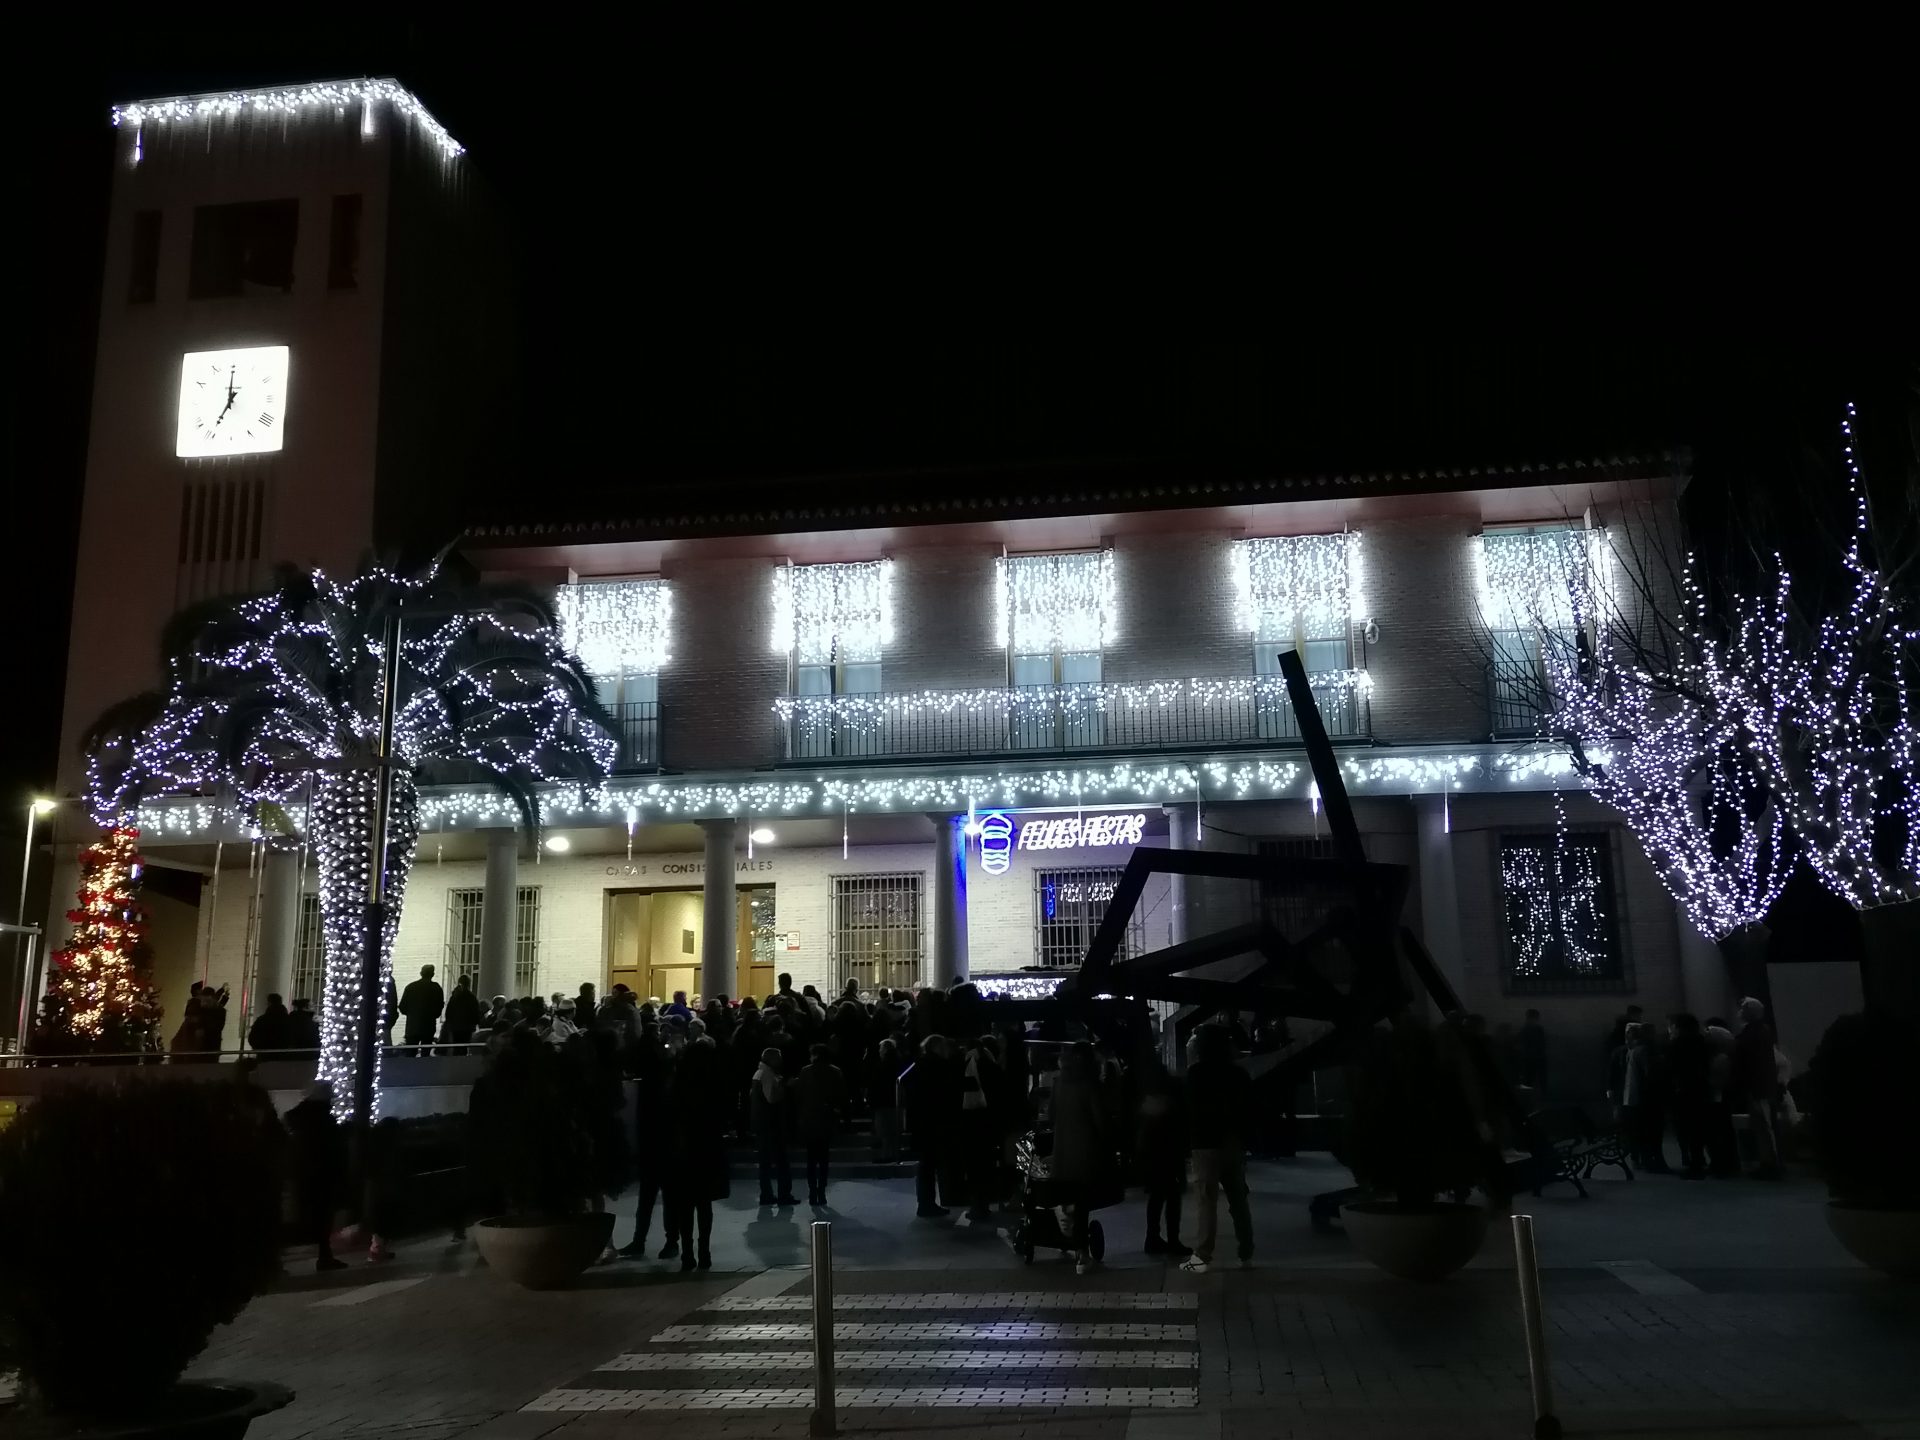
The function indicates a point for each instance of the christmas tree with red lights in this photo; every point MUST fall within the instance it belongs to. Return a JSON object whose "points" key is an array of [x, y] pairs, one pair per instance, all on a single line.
{"points": [[100, 995]]}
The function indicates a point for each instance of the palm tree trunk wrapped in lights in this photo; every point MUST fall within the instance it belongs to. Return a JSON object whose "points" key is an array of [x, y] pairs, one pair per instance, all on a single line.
{"points": [[276, 702]]}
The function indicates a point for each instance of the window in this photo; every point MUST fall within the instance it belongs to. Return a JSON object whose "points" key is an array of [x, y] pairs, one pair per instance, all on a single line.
{"points": [[1539, 603], [1055, 618], [1298, 905], [143, 270], [833, 621], [309, 956], [1562, 928], [621, 631], [875, 932], [1068, 906], [343, 243], [1304, 583], [464, 910], [243, 249]]}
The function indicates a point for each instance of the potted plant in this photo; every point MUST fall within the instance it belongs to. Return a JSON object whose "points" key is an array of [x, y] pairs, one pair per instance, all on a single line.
{"points": [[1414, 1140], [532, 1129], [1865, 1110], [136, 1218]]}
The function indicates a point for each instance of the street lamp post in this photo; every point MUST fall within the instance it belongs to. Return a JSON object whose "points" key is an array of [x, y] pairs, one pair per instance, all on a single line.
{"points": [[26, 954]]}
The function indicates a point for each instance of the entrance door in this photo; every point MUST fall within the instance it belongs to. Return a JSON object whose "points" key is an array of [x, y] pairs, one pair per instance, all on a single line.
{"points": [[654, 937], [629, 928], [753, 942]]}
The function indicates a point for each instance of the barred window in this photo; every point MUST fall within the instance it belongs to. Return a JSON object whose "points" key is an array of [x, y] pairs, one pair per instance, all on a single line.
{"points": [[1562, 923], [1068, 906], [875, 936], [310, 955], [464, 910]]}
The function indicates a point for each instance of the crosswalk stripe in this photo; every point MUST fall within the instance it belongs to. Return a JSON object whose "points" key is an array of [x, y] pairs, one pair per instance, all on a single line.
{"points": [[926, 1330], [1648, 1278], [962, 1300], [1154, 1397], [360, 1294], [910, 1360]]}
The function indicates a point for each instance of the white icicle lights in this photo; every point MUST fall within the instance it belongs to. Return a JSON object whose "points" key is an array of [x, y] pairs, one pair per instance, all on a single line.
{"points": [[279, 697], [833, 614], [618, 627], [1049, 603], [290, 102], [1308, 581]]}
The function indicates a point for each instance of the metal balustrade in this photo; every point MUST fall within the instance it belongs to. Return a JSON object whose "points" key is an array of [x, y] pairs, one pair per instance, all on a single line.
{"points": [[1516, 699], [637, 722], [1204, 712]]}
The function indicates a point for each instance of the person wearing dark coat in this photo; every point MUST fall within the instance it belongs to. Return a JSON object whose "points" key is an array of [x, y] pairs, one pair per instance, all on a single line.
{"points": [[771, 1118], [1756, 1078], [1083, 1140], [651, 1069], [1160, 1153], [819, 1101], [318, 1165], [1689, 1061], [699, 1133], [271, 1027], [463, 1015], [422, 1002], [930, 1091], [883, 1094], [303, 1027], [1219, 1104], [389, 1012]]}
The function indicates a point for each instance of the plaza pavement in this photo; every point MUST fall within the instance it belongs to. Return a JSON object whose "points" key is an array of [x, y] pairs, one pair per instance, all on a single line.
{"points": [[1674, 1308]]}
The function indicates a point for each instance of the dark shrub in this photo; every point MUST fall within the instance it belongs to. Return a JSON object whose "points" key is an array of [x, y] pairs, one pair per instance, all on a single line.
{"points": [[1413, 1131], [135, 1218], [1864, 1104]]}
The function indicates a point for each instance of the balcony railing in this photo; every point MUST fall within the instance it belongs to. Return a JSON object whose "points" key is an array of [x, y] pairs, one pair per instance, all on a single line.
{"points": [[1056, 719], [638, 724]]}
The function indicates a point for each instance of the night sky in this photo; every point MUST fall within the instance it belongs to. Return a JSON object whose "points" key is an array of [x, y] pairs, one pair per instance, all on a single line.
{"points": [[835, 250]]}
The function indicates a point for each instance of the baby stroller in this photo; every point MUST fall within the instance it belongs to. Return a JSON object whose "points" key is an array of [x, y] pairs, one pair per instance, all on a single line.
{"points": [[1044, 1203]]}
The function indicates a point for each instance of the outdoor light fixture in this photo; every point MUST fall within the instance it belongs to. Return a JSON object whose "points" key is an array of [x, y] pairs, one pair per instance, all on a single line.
{"points": [[44, 806], [558, 844], [762, 836]]}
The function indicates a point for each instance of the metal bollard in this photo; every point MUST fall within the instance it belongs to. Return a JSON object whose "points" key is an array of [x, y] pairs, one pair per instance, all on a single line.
{"points": [[822, 1422], [1546, 1426]]}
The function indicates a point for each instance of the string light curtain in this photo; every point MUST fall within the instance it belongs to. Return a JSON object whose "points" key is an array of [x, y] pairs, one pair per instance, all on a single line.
{"points": [[1547, 577], [1305, 581], [1557, 891], [618, 627], [833, 614], [1048, 603]]}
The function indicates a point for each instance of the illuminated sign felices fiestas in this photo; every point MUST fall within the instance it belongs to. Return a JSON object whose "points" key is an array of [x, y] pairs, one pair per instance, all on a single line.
{"points": [[1082, 832]]}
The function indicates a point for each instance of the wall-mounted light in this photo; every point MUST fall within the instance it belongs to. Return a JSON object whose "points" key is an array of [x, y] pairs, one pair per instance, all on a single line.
{"points": [[762, 836], [558, 844]]}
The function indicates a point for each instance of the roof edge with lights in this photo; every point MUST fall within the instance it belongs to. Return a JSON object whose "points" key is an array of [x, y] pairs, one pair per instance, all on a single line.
{"points": [[287, 99]]}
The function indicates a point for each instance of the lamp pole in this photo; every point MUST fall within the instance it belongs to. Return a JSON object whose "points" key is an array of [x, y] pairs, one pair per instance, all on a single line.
{"points": [[36, 807]]}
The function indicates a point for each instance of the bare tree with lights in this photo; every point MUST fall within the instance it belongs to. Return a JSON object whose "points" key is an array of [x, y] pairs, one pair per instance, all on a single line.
{"points": [[277, 700]]}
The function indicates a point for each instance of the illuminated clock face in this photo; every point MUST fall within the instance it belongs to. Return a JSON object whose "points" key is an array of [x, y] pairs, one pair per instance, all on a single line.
{"points": [[232, 402]]}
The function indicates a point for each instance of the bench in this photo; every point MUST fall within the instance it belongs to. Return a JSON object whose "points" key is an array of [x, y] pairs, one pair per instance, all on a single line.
{"points": [[1567, 1146]]}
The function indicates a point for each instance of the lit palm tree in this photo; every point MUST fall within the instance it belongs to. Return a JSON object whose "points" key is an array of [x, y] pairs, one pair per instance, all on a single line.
{"points": [[276, 698]]}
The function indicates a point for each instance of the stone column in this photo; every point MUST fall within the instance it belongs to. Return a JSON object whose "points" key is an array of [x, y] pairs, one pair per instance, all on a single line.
{"points": [[499, 916], [717, 939], [279, 926], [949, 900], [1439, 895], [1180, 836]]}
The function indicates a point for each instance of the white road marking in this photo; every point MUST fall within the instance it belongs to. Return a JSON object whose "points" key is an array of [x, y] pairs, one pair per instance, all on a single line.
{"points": [[927, 1330], [1648, 1278], [961, 1300], [910, 1360], [759, 1287], [968, 1397], [360, 1294]]}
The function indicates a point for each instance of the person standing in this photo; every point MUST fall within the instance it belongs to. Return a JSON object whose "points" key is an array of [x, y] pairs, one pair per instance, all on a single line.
{"points": [[1757, 1077], [389, 1012], [768, 1101], [1083, 1141], [303, 1028], [1723, 1147], [651, 1070], [584, 1005], [463, 1016], [819, 1100], [931, 1093], [270, 1027], [979, 1146], [1160, 1153], [1687, 1063], [699, 1125], [883, 1094], [1530, 1053], [1219, 1099], [421, 1003], [317, 1169]]}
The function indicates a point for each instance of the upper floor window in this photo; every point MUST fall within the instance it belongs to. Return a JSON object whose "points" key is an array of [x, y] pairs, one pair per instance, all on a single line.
{"points": [[621, 630], [833, 621], [1299, 587], [244, 249], [1541, 601], [1055, 615]]}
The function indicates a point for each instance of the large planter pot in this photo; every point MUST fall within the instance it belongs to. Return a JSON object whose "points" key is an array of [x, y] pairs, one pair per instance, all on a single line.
{"points": [[1418, 1242], [1883, 1240], [543, 1254], [192, 1410]]}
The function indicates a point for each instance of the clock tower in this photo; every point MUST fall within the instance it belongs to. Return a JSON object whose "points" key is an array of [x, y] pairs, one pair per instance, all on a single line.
{"points": [[298, 327]]}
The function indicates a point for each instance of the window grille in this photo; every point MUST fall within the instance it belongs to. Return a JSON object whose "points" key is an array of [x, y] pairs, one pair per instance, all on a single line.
{"points": [[1562, 923], [1068, 906], [464, 910], [309, 956], [875, 936]]}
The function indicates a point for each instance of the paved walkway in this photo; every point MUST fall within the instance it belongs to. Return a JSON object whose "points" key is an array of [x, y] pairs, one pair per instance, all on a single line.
{"points": [[1674, 1308]]}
